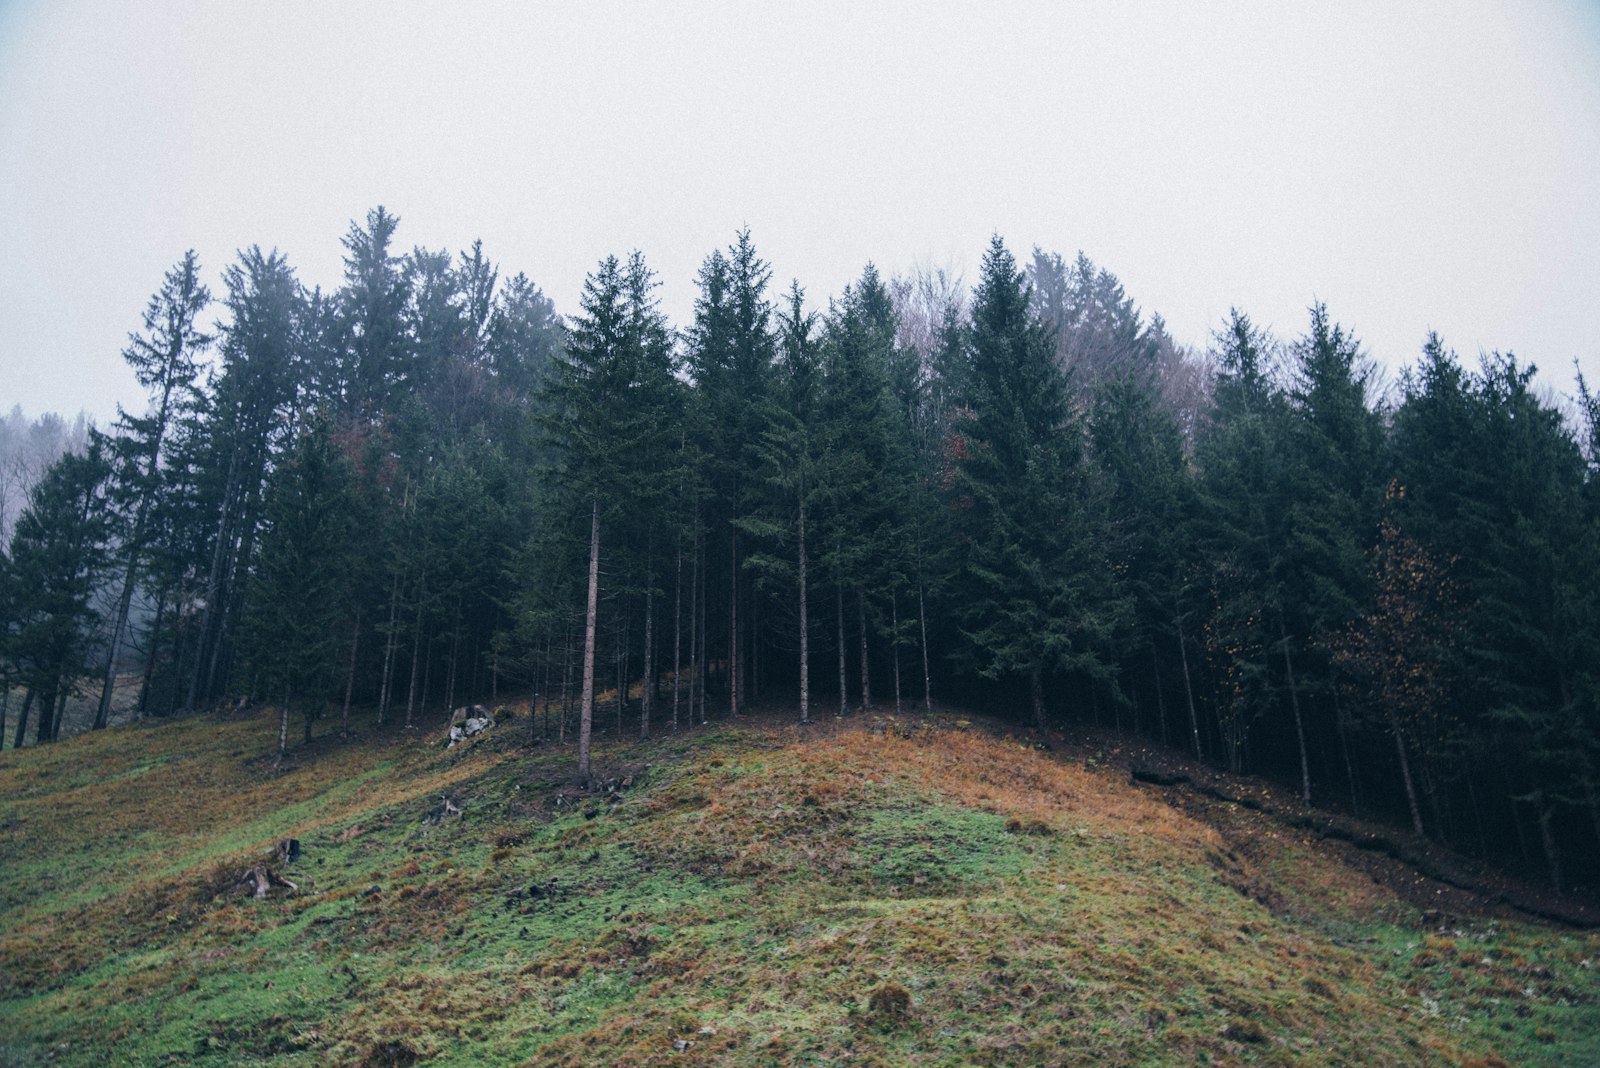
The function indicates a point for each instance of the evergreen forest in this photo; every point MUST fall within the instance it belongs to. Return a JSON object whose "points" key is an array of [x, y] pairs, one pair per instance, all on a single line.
{"points": [[427, 489]]}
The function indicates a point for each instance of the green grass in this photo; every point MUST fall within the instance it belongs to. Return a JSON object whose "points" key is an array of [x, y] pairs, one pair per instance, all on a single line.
{"points": [[742, 902]]}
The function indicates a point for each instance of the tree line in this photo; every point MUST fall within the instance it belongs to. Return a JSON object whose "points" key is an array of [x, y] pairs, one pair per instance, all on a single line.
{"points": [[424, 489]]}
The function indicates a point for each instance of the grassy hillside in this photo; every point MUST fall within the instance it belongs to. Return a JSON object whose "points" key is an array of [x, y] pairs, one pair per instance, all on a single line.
{"points": [[929, 893]]}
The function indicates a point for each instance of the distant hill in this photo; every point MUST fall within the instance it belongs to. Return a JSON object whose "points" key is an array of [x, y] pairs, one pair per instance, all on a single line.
{"points": [[914, 891]]}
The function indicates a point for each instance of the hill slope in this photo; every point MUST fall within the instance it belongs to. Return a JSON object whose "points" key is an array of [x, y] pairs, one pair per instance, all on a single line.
{"points": [[928, 893]]}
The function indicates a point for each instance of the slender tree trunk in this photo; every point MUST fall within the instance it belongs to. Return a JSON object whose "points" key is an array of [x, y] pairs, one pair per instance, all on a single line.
{"points": [[389, 643], [704, 668], [1594, 802], [1294, 703], [427, 672], [733, 624], [102, 715], [866, 674], [1036, 684], [844, 694], [1161, 701], [450, 674], [1405, 776], [1477, 815], [43, 731], [1547, 838], [22, 719], [1188, 687], [213, 582], [150, 656], [927, 676], [621, 664], [677, 631], [648, 687], [566, 681], [350, 677], [586, 696], [283, 729], [416, 659], [894, 622], [694, 617], [805, 626], [1342, 721], [5, 706]]}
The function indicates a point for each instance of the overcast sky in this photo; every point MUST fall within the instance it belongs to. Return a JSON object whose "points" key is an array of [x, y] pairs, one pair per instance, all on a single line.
{"points": [[1416, 166]]}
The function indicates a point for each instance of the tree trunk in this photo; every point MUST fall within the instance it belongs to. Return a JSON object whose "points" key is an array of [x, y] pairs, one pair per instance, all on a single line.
{"points": [[733, 625], [1188, 687], [1161, 701], [450, 675], [844, 694], [1036, 684], [1294, 703], [427, 672], [648, 686], [894, 644], [102, 715], [1405, 776], [621, 664], [416, 658], [703, 670], [805, 628], [677, 631], [694, 618], [922, 622], [213, 581], [389, 650], [22, 720], [586, 695], [566, 681], [866, 674], [283, 729], [1342, 721], [150, 656], [1547, 839], [350, 677]]}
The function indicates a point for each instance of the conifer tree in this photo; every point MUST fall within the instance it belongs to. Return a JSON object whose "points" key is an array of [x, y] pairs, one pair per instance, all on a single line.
{"points": [[618, 348], [1032, 565], [293, 633], [164, 360], [730, 355], [58, 554]]}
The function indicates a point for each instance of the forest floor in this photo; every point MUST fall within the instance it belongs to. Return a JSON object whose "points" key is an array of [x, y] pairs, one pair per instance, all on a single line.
{"points": [[920, 890]]}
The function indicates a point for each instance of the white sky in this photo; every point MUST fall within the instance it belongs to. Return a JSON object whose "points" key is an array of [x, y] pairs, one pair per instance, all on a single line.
{"points": [[1415, 166]]}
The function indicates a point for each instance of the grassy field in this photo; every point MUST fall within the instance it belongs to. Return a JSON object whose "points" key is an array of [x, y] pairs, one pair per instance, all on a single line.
{"points": [[927, 893]]}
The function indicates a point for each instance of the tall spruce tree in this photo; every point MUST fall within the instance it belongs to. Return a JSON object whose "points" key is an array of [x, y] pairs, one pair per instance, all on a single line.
{"points": [[58, 555], [1033, 567], [731, 348], [293, 630], [164, 361], [618, 349]]}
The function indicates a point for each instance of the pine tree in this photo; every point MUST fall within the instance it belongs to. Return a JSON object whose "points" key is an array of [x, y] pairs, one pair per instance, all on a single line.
{"points": [[378, 365], [790, 458], [163, 359], [618, 349], [1027, 511], [247, 421], [292, 630], [730, 355], [58, 555]]}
